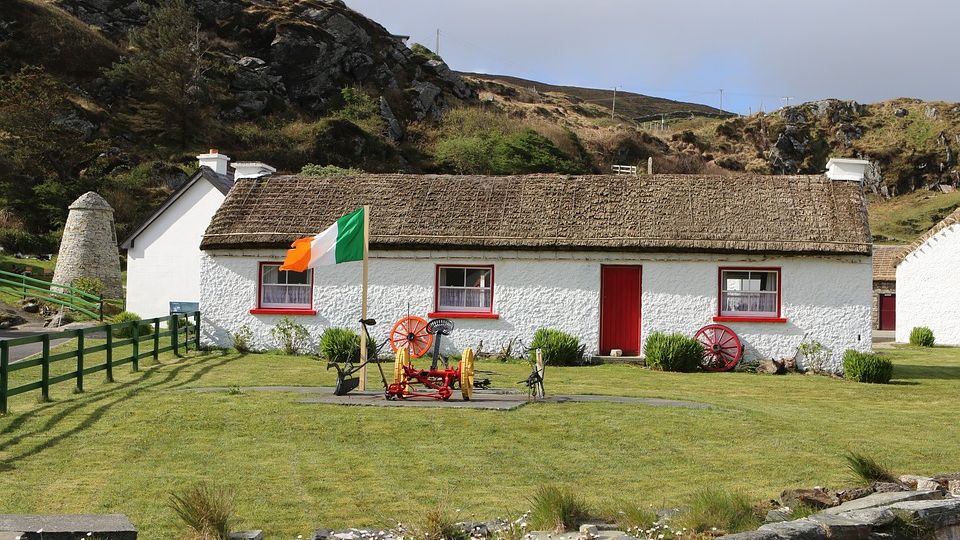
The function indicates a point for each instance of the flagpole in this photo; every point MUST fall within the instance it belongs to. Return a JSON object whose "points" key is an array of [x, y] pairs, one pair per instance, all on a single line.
{"points": [[363, 296]]}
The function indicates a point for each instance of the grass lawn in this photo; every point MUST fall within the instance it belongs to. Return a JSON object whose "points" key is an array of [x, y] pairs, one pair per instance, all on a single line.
{"points": [[902, 219], [123, 447]]}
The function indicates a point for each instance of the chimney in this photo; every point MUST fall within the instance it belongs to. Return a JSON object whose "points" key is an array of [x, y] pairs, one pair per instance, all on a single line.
{"points": [[251, 169], [847, 169], [214, 160]]}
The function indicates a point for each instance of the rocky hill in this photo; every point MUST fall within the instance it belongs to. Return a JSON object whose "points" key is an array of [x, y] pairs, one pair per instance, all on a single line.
{"points": [[293, 82]]}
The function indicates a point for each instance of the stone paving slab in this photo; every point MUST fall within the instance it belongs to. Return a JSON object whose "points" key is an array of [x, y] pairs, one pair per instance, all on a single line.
{"points": [[883, 499], [501, 400], [63, 527]]}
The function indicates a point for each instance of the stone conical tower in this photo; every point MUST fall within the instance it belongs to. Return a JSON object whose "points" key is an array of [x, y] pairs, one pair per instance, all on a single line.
{"points": [[89, 245]]}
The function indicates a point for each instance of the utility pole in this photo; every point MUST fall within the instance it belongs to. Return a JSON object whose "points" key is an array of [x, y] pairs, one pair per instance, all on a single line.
{"points": [[436, 50], [721, 100], [613, 111], [786, 100]]}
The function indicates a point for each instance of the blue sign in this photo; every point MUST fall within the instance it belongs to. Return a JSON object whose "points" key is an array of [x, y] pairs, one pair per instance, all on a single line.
{"points": [[179, 308]]}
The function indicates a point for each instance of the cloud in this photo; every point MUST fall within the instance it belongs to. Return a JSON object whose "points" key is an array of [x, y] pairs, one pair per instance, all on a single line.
{"points": [[756, 50]]}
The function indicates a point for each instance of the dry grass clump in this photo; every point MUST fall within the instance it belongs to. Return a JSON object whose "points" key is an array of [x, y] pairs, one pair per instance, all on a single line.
{"points": [[206, 509]]}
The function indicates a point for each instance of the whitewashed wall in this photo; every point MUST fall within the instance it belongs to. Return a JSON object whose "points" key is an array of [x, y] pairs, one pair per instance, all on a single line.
{"points": [[829, 298], [928, 288], [163, 265]]}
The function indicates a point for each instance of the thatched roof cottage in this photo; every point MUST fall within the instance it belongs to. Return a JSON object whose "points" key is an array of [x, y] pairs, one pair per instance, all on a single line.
{"points": [[609, 259]]}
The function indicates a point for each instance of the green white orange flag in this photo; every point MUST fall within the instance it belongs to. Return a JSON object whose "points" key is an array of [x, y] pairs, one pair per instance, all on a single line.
{"points": [[341, 242]]}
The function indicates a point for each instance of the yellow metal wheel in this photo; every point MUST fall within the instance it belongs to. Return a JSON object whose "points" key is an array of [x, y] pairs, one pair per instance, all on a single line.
{"points": [[466, 374], [401, 359]]}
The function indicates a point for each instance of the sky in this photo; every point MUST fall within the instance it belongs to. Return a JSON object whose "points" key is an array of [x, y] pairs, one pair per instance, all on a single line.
{"points": [[760, 52]]}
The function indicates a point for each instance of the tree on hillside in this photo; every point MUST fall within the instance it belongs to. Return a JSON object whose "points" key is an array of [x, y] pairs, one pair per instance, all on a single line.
{"points": [[43, 149], [167, 75]]}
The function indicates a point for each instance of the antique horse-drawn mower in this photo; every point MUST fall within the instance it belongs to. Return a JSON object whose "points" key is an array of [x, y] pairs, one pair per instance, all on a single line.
{"points": [[410, 338]]}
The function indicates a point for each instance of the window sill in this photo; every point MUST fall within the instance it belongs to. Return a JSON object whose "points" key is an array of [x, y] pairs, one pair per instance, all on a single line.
{"points": [[282, 311], [730, 318], [461, 315]]}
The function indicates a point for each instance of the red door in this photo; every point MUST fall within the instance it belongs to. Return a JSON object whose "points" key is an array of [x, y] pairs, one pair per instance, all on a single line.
{"points": [[888, 312], [620, 309]]}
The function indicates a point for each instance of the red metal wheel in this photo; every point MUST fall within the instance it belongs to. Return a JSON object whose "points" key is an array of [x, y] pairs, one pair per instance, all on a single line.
{"points": [[721, 347], [411, 333]]}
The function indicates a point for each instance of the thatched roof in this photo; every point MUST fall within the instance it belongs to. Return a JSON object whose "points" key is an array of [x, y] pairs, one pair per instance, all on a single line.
{"points": [[766, 214], [885, 262], [952, 219]]}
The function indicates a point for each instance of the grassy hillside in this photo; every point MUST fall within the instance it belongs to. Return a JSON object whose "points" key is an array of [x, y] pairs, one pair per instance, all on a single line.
{"points": [[902, 219], [629, 104]]}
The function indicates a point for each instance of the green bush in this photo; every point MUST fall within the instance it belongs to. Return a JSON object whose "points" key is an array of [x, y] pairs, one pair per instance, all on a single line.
{"points": [[559, 348], [291, 336], [18, 241], [866, 367], [495, 152], [90, 285], [311, 169], [868, 470], [126, 330], [729, 512], [206, 509], [242, 339], [673, 352], [341, 345], [556, 509], [922, 337]]}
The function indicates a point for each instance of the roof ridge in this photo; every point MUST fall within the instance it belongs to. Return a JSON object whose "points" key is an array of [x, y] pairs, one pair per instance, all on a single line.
{"points": [[951, 219]]}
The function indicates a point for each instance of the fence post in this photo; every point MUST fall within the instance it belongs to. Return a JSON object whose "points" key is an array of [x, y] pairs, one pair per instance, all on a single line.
{"points": [[80, 360], [196, 330], [101, 307], [156, 340], [109, 328], [175, 334], [186, 333], [45, 366], [4, 366], [135, 332]]}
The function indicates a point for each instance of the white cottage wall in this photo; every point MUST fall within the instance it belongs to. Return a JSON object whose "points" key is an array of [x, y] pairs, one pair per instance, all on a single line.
{"points": [[826, 298], [928, 288], [163, 265]]}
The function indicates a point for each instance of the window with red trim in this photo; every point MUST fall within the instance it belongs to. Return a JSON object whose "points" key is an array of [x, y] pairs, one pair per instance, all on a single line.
{"points": [[464, 289], [285, 290], [750, 293]]}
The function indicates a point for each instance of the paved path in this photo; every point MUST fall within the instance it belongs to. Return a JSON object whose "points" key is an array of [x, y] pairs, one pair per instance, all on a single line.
{"points": [[501, 400], [19, 352]]}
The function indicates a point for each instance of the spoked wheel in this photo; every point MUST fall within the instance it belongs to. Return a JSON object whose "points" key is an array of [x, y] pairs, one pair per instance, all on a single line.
{"points": [[410, 333], [466, 374], [721, 347]]}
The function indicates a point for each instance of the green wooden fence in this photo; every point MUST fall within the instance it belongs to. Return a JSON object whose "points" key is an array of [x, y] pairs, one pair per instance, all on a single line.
{"points": [[73, 298], [177, 334]]}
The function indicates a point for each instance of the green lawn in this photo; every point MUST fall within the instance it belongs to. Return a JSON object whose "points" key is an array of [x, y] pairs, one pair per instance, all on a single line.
{"points": [[123, 447]]}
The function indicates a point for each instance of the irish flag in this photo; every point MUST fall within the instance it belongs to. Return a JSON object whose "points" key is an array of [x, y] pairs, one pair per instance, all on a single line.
{"points": [[341, 242]]}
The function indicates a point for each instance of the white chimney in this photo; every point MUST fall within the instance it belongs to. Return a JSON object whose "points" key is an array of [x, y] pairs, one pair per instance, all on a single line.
{"points": [[847, 169], [214, 160], [251, 169]]}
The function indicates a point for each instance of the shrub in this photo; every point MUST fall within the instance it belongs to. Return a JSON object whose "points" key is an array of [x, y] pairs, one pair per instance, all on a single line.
{"points": [[18, 241], [342, 344], [815, 356], [559, 348], [440, 526], [921, 336], [556, 509], [867, 469], [311, 169], [206, 509], [673, 352], [866, 367], [242, 339], [89, 285], [290, 336], [729, 512], [126, 330]]}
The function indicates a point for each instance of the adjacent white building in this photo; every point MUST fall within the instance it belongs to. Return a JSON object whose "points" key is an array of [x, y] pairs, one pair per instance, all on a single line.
{"points": [[610, 259], [163, 253], [928, 283]]}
